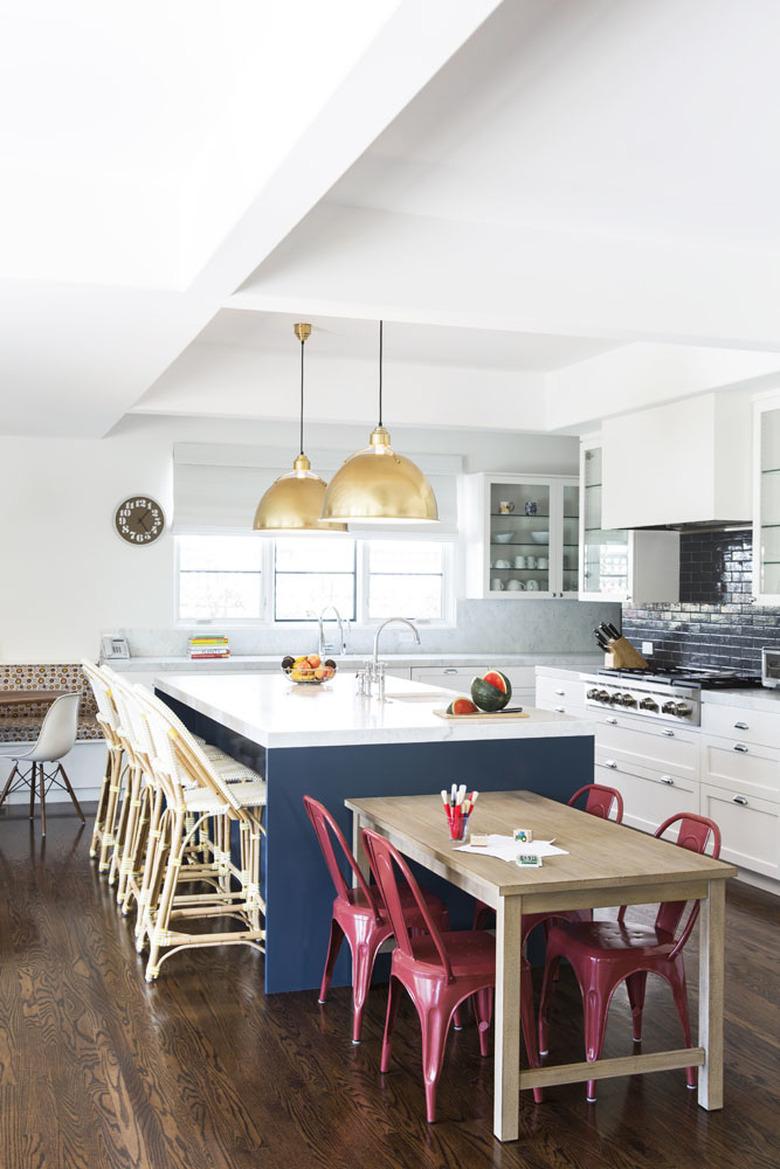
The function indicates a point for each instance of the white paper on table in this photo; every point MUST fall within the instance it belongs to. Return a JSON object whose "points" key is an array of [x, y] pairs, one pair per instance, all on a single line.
{"points": [[505, 848]]}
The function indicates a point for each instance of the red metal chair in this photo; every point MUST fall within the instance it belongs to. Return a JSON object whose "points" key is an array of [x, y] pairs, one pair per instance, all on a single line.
{"points": [[604, 954], [439, 971], [359, 914], [600, 800]]}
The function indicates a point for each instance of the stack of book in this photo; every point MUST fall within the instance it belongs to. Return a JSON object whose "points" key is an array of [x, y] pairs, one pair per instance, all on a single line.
{"points": [[209, 647]]}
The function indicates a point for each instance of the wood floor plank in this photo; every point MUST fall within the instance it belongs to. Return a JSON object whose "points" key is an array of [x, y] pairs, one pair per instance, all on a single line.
{"points": [[99, 1070]]}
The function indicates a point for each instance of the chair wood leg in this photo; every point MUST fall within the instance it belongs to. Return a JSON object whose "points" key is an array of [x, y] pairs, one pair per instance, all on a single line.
{"points": [[100, 814], [42, 778], [71, 793], [33, 782], [8, 782]]}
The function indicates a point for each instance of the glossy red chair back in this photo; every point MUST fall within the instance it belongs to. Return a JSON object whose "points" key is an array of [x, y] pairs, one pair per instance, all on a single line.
{"points": [[386, 863], [327, 832], [696, 833], [600, 800]]}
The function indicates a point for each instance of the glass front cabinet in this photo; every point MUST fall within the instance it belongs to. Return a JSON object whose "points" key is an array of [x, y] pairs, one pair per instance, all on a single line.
{"points": [[766, 502], [522, 536]]}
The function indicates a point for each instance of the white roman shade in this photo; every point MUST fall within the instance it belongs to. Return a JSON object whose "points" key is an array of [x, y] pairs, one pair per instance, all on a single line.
{"points": [[216, 487]]}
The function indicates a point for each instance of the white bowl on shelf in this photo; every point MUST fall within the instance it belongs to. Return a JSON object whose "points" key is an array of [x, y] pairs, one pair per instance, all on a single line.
{"points": [[540, 537], [502, 537]]}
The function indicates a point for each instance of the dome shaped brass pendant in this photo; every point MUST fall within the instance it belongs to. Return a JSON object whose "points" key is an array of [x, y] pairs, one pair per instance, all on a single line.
{"points": [[293, 503], [377, 485]]}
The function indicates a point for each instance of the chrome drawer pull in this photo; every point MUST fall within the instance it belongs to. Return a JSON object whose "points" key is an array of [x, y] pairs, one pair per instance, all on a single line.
{"points": [[560, 709], [741, 726], [669, 734], [451, 670], [612, 722], [667, 779], [741, 748], [611, 764], [560, 693], [740, 800]]}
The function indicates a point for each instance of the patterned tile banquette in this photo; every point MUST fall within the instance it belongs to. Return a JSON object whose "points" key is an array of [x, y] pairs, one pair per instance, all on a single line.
{"points": [[20, 724]]}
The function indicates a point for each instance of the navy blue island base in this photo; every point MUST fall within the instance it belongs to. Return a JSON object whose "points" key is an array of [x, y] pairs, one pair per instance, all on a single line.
{"points": [[296, 884]]}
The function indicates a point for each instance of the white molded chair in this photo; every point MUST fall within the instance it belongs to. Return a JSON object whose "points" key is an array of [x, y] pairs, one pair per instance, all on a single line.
{"points": [[55, 739]]}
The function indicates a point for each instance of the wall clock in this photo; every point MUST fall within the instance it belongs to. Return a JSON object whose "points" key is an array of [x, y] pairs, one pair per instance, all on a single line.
{"points": [[139, 520]]}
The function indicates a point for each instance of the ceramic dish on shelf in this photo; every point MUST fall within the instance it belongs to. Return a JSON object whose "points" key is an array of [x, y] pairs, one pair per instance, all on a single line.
{"points": [[502, 537], [540, 537], [502, 564], [308, 670]]}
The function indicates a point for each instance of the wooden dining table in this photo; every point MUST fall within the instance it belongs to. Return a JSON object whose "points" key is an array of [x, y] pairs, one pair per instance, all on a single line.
{"points": [[33, 697], [605, 864]]}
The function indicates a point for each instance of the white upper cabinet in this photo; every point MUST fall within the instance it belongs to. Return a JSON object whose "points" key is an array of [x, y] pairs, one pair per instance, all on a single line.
{"points": [[766, 506], [617, 564], [521, 536], [685, 462]]}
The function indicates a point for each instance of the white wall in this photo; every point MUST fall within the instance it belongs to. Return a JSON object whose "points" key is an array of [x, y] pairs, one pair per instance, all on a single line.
{"points": [[66, 577]]}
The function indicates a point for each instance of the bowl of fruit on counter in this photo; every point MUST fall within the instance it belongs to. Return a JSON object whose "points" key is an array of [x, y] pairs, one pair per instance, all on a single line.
{"points": [[308, 669]]}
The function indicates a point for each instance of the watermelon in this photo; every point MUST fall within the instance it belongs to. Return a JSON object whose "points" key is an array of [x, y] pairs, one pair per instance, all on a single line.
{"points": [[491, 693], [461, 706]]}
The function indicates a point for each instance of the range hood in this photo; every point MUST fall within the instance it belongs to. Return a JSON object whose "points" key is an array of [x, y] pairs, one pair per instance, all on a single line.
{"points": [[684, 466]]}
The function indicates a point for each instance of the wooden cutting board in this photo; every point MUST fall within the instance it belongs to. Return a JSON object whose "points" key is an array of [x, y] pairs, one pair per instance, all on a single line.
{"points": [[503, 714]]}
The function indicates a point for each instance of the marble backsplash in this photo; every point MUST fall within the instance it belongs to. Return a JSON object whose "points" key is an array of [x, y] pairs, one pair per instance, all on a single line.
{"points": [[482, 627]]}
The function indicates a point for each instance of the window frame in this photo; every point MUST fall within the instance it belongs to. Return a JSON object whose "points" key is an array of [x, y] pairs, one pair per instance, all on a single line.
{"points": [[452, 571]]}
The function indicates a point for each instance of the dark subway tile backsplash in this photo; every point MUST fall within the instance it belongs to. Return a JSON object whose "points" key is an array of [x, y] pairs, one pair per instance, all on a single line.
{"points": [[716, 622]]}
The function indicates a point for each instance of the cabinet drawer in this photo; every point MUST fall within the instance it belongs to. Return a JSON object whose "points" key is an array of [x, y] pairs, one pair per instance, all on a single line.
{"points": [[750, 828], [747, 726], [648, 798], [678, 754], [754, 771], [567, 696]]}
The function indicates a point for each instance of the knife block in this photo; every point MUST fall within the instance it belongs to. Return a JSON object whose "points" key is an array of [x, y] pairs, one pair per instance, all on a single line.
{"points": [[623, 656]]}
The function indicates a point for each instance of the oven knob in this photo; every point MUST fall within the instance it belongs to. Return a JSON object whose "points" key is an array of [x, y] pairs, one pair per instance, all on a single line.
{"points": [[682, 709], [669, 708], [629, 700], [616, 699], [593, 693], [649, 704]]}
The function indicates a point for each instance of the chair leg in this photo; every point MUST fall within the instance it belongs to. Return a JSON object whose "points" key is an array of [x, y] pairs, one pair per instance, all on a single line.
{"points": [[71, 793], [42, 779], [8, 782], [595, 1003], [483, 1009], [635, 985], [434, 1022], [528, 1028], [548, 985], [362, 968], [33, 783], [162, 921], [97, 830], [394, 991], [680, 992], [334, 945]]}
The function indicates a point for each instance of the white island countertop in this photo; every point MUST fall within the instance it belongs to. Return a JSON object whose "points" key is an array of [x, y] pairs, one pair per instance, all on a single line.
{"points": [[273, 712]]}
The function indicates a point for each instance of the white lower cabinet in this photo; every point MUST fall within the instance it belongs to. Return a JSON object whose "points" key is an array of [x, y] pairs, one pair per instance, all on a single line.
{"points": [[561, 694], [750, 828], [649, 744], [649, 796]]}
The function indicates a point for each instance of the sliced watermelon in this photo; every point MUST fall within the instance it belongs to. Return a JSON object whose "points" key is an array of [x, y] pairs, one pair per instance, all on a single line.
{"points": [[461, 706], [489, 697], [499, 680]]}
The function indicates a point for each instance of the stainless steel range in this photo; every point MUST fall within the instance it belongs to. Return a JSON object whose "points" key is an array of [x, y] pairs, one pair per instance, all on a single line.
{"points": [[671, 696]]}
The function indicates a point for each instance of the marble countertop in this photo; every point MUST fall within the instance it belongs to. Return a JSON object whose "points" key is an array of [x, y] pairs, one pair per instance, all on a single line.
{"points": [[585, 662], [270, 710], [755, 699]]}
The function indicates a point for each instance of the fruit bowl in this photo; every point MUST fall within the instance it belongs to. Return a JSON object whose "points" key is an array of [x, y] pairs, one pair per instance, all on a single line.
{"points": [[308, 669]]}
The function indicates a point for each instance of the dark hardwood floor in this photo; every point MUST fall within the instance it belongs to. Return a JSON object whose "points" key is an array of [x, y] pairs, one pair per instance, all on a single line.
{"points": [[201, 1071]]}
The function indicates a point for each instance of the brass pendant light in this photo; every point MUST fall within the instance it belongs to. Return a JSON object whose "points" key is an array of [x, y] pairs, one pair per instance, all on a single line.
{"points": [[293, 503], [378, 486]]}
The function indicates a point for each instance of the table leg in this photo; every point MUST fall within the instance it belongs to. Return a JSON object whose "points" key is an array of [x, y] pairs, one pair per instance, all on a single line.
{"points": [[358, 851], [506, 1086], [711, 943]]}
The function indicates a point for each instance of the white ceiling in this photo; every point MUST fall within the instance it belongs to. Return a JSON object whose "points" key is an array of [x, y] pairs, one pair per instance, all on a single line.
{"points": [[562, 209], [342, 337]]}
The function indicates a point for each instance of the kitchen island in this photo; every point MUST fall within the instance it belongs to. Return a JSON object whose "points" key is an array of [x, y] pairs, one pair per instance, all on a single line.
{"points": [[328, 742]]}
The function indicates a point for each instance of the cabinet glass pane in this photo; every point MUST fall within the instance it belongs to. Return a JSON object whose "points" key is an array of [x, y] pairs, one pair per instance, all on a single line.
{"points": [[769, 550], [519, 537], [605, 553], [571, 536]]}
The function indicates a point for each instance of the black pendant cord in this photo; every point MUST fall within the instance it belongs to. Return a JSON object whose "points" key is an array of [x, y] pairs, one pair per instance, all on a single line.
{"points": [[302, 344], [381, 334]]}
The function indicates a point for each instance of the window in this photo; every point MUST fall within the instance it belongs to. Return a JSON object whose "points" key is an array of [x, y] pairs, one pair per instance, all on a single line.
{"points": [[406, 579], [220, 578], [247, 579], [312, 573]]}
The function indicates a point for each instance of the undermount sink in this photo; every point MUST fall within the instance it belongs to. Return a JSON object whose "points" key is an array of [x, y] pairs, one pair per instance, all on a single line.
{"points": [[430, 696]]}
